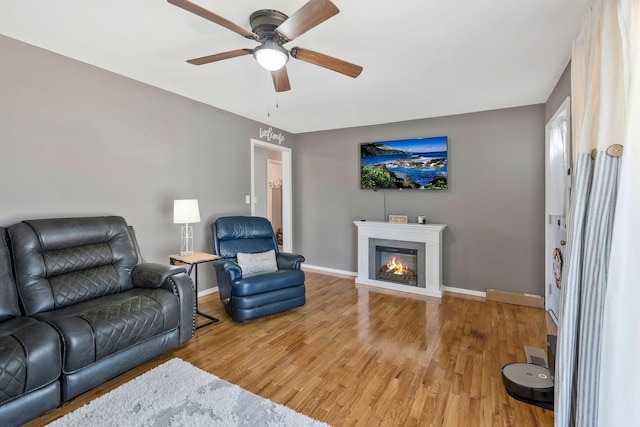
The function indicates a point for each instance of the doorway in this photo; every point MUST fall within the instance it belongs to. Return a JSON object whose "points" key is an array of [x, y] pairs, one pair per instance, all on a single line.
{"points": [[274, 196], [557, 191], [263, 194]]}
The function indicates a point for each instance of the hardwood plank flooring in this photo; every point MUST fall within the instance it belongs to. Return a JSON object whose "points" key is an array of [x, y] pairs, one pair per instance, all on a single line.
{"points": [[362, 357]]}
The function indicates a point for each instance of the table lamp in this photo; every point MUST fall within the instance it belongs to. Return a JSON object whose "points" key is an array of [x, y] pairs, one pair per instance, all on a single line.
{"points": [[186, 212]]}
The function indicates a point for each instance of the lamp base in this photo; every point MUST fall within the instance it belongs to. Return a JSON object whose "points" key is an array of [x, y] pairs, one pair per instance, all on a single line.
{"points": [[186, 240]]}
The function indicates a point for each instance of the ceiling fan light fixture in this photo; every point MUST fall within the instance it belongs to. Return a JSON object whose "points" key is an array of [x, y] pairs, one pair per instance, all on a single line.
{"points": [[271, 56]]}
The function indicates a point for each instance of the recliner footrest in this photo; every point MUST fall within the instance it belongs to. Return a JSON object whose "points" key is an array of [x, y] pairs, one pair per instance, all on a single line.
{"points": [[258, 300], [267, 282]]}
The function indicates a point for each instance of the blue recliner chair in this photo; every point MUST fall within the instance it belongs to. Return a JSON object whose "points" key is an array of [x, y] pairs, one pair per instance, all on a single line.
{"points": [[254, 278]]}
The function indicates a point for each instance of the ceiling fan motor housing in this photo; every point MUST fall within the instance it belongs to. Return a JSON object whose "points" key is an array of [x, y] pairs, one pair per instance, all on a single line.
{"points": [[264, 23]]}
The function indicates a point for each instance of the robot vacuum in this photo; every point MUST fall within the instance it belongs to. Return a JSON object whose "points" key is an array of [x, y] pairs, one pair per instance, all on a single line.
{"points": [[529, 383]]}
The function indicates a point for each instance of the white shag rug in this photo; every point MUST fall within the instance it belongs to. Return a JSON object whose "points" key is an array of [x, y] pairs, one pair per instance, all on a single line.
{"points": [[177, 393]]}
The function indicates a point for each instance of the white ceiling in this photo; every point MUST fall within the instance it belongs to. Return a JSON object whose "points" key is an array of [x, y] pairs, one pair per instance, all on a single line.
{"points": [[421, 58]]}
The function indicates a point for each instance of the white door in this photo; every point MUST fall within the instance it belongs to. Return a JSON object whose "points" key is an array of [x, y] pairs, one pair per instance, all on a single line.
{"points": [[558, 181]]}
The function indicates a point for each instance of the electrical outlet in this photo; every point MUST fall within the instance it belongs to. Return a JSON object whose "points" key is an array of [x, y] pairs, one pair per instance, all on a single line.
{"points": [[247, 199]]}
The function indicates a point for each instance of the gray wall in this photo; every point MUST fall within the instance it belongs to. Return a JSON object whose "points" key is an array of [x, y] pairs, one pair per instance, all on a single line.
{"points": [[494, 207], [78, 140], [559, 94]]}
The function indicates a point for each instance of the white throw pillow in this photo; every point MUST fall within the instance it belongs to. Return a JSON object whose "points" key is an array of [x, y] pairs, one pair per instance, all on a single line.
{"points": [[257, 263]]}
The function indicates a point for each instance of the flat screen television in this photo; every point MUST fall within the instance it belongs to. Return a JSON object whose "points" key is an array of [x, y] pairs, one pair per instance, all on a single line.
{"points": [[404, 164]]}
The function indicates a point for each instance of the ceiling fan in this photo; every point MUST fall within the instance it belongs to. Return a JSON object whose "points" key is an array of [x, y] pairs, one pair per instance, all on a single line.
{"points": [[272, 29]]}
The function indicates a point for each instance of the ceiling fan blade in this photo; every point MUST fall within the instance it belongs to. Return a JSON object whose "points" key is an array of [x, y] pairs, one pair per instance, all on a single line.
{"points": [[326, 61], [281, 80], [207, 14], [307, 17], [219, 56]]}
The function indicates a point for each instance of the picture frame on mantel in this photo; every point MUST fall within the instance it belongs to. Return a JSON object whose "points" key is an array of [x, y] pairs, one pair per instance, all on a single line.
{"points": [[400, 219]]}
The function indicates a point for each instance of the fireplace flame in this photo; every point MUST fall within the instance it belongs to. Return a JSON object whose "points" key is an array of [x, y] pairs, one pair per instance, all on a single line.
{"points": [[396, 267]]}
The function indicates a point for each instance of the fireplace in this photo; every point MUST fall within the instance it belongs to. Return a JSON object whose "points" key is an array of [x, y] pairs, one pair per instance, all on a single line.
{"points": [[397, 265], [382, 246], [397, 261]]}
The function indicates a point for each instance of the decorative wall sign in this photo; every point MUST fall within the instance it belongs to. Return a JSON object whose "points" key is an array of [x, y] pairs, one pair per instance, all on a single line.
{"points": [[269, 135]]}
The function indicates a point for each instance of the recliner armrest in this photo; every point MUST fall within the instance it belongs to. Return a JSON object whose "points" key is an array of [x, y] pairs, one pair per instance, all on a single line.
{"points": [[227, 272], [175, 280], [230, 267], [288, 261], [152, 275]]}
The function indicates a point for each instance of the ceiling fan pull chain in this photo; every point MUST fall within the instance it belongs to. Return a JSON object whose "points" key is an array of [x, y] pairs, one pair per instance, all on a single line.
{"points": [[268, 100]]}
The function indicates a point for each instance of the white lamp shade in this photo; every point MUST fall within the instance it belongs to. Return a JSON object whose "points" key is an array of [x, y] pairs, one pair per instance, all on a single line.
{"points": [[186, 211]]}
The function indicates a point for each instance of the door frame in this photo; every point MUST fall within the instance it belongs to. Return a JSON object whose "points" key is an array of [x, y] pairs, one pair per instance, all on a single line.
{"points": [[287, 189], [563, 110]]}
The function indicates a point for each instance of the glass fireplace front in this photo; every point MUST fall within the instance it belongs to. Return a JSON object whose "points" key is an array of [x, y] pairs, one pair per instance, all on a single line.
{"points": [[396, 265]]}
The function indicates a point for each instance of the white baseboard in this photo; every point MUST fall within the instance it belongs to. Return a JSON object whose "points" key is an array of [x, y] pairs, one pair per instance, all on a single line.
{"points": [[465, 292], [329, 271], [518, 298], [207, 291]]}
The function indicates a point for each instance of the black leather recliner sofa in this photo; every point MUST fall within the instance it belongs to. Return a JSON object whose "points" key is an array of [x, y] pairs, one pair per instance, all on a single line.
{"points": [[30, 357], [246, 296], [83, 282]]}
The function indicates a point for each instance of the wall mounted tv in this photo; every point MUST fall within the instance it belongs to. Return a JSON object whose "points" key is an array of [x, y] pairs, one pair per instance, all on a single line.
{"points": [[404, 164]]}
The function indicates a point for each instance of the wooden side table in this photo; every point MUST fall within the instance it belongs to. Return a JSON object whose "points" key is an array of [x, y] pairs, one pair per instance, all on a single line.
{"points": [[193, 261]]}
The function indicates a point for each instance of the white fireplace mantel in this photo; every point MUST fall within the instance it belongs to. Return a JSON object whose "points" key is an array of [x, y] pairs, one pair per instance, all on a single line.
{"points": [[429, 234]]}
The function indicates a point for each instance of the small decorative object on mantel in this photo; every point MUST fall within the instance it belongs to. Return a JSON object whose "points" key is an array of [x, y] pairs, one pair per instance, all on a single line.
{"points": [[422, 219], [402, 219]]}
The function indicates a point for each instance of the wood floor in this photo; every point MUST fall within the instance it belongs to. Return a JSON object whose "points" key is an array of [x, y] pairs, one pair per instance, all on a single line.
{"points": [[357, 357]]}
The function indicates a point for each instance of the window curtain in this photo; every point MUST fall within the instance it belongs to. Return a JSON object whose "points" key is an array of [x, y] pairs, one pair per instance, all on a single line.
{"points": [[598, 333]]}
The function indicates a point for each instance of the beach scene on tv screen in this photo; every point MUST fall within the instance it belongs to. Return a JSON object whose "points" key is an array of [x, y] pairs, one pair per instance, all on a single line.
{"points": [[411, 163]]}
